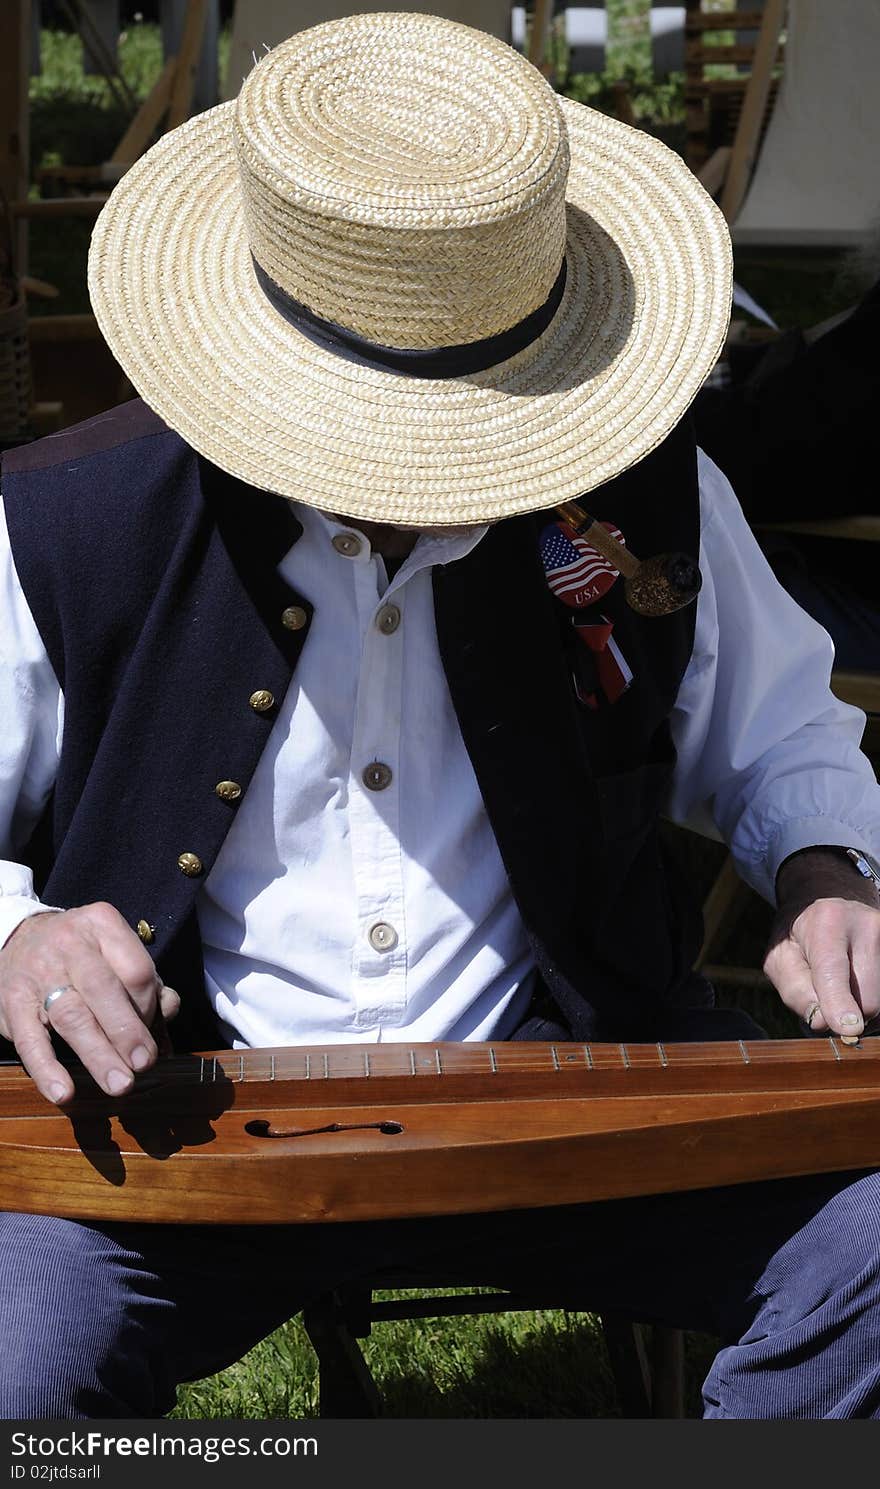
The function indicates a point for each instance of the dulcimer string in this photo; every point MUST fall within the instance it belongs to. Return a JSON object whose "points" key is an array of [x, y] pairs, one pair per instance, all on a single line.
{"points": [[814, 1062]]}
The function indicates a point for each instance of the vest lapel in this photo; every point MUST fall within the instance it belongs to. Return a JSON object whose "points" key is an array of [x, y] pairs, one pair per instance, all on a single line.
{"points": [[510, 688]]}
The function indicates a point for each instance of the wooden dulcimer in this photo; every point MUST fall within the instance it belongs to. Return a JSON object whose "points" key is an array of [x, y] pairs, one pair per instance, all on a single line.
{"points": [[358, 1132]]}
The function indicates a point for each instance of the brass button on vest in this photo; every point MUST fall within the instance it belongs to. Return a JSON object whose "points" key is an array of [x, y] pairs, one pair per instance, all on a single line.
{"points": [[294, 617], [190, 864], [347, 544], [262, 700], [146, 932], [388, 619], [377, 776], [228, 790]]}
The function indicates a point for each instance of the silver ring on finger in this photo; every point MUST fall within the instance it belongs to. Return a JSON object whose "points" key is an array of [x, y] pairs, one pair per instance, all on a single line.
{"points": [[56, 993], [811, 1014]]}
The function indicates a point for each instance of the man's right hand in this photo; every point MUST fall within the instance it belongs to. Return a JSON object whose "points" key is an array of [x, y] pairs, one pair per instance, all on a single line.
{"points": [[112, 1009]]}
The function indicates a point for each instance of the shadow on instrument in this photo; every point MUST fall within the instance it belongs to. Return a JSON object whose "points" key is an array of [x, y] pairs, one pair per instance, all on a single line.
{"points": [[157, 1138], [150, 1117]]}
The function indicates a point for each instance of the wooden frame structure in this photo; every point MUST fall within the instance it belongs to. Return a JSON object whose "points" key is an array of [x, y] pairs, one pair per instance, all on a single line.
{"points": [[15, 46], [727, 166], [168, 104]]}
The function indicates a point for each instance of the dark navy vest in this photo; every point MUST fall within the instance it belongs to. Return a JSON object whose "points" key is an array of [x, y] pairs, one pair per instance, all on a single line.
{"points": [[152, 578]]}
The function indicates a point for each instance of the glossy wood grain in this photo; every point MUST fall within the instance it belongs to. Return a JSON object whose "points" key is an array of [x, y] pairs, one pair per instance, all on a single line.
{"points": [[390, 1131]]}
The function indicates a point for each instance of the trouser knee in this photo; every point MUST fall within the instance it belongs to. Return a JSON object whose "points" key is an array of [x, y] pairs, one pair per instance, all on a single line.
{"points": [[78, 1327], [813, 1348]]}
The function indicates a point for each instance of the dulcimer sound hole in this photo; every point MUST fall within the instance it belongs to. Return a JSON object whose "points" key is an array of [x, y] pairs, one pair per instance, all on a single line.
{"points": [[262, 1128]]}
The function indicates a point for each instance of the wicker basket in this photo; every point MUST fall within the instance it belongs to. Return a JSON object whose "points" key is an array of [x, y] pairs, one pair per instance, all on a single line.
{"points": [[15, 375]]}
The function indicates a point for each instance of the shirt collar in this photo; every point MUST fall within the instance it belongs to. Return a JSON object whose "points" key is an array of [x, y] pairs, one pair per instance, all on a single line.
{"points": [[430, 549]]}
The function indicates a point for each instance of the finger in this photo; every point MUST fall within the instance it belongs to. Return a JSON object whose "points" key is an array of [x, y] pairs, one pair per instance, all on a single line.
{"points": [[134, 967], [124, 1025], [74, 1020], [788, 970], [169, 1002], [832, 980], [814, 1019], [30, 1035], [865, 980], [169, 1007], [127, 956]]}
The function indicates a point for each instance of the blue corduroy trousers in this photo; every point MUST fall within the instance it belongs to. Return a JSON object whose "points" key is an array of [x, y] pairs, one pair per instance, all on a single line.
{"points": [[106, 1320]]}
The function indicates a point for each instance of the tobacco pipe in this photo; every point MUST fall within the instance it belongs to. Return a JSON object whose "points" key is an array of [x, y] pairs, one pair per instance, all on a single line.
{"points": [[653, 586]]}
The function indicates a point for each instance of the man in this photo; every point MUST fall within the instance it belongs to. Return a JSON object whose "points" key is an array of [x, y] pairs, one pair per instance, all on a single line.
{"points": [[384, 760]]}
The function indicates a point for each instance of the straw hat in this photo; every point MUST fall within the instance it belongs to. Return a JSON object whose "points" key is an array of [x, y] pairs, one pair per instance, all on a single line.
{"points": [[397, 183]]}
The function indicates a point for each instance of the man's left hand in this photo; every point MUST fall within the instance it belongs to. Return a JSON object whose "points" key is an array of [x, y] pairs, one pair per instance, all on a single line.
{"points": [[824, 952]]}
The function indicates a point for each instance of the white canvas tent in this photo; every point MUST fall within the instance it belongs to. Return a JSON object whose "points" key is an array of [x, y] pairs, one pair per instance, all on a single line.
{"points": [[817, 181]]}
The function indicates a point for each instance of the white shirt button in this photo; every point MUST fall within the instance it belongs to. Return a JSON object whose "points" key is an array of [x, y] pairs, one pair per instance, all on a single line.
{"points": [[377, 776], [383, 937], [348, 544], [388, 619]]}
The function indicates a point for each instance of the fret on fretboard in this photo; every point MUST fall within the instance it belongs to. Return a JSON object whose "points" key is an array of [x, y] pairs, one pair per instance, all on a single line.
{"points": [[390, 1061]]}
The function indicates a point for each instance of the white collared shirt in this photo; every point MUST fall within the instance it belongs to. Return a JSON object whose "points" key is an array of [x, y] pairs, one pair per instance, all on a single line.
{"points": [[380, 911], [345, 906]]}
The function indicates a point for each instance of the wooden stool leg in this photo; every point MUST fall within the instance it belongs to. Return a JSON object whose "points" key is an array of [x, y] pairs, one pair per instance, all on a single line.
{"points": [[667, 1373], [347, 1388], [628, 1357], [649, 1378]]}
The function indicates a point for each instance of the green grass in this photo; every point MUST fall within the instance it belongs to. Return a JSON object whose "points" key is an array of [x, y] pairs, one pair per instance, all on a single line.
{"points": [[542, 1363], [802, 287], [278, 1378], [530, 1364]]}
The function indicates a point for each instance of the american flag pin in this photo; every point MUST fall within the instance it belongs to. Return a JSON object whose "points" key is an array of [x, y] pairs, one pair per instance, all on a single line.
{"points": [[576, 572]]}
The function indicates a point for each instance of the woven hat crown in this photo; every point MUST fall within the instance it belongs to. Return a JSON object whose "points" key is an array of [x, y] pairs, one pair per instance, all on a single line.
{"points": [[404, 177]]}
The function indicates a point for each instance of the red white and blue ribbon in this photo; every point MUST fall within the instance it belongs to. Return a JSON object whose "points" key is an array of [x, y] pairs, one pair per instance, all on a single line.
{"points": [[606, 675]]}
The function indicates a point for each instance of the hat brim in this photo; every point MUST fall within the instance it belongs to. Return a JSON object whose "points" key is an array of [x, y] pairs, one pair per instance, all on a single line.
{"points": [[642, 321]]}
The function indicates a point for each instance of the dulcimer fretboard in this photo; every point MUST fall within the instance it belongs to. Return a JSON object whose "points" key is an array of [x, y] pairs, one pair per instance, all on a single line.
{"points": [[357, 1074]]}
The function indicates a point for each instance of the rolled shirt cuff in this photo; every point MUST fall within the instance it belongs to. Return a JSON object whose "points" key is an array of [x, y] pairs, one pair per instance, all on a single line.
{"points": [[14, 909]]}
